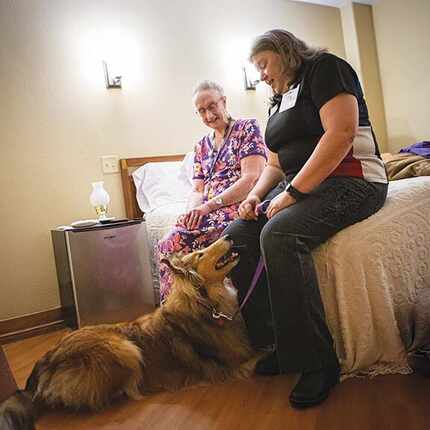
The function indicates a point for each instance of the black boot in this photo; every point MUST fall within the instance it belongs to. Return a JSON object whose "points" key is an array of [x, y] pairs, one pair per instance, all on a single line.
{"points": [[314, 387]]}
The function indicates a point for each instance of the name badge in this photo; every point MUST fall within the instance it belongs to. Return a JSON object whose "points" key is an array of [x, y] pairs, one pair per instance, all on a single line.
{"points": [[289, 99]]}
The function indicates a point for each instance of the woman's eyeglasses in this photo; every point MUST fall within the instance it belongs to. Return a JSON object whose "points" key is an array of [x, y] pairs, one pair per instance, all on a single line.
{"points": [[212, 108]]}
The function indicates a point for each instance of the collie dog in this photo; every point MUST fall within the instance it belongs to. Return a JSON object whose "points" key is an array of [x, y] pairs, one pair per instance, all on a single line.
{"points": [[195, 337]]}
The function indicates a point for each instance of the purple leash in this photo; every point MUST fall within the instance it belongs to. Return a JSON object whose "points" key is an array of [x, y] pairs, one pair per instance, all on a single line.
{"points": [[255, 278], [261, 209], [217, 315]]}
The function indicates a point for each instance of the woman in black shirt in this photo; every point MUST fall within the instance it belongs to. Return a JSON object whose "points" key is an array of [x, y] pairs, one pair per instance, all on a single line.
{"points": [[323, 174]]}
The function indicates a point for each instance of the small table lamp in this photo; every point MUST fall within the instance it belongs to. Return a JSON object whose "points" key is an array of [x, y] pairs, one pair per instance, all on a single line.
{"points": [[99, 199]]}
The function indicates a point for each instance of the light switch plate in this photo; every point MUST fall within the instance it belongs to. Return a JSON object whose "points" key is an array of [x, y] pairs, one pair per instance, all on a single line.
{"points": [[110, 164]]}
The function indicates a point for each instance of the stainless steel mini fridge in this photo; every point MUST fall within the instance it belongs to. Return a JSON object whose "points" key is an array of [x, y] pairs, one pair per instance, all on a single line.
{"points": [[103, 273]]}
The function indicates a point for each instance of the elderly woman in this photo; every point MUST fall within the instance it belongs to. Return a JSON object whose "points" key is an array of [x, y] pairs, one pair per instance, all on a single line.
{"points": [[227, 163], [323, 174]]}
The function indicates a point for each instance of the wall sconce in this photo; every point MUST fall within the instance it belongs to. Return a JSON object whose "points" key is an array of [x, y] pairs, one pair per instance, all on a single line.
{"points": [[111, 82], [251, 78]]}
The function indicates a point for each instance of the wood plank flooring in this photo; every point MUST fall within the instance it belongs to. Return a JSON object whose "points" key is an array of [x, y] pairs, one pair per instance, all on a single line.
{"points": [[393, 402]]}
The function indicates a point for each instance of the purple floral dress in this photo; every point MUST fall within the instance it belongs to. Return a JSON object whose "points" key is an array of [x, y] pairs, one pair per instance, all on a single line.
{"points": [[218, 172]]}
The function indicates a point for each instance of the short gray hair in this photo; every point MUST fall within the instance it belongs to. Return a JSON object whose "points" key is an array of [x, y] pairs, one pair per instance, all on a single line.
{"points": [[206, 86], [293, 51]]}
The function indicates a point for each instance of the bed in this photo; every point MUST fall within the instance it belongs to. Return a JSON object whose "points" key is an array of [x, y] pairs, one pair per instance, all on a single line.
{"points": [[374, 276]]}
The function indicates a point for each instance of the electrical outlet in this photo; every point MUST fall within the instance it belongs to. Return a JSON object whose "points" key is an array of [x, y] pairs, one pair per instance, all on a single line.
{"points": [[110, 164]]}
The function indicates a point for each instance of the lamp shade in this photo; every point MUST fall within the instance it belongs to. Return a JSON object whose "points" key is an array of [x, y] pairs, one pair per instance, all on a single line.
{"points": [[99, 199]]}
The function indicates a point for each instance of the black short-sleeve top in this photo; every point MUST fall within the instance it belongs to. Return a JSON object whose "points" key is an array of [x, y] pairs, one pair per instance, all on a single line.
{"points": [[294, 127]]}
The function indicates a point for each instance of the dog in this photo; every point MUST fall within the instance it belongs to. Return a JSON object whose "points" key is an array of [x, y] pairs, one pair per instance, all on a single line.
{"points": [[196, 336]]}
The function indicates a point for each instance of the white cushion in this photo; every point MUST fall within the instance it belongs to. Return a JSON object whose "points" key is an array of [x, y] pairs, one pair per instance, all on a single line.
{"points": [[159, 184]]}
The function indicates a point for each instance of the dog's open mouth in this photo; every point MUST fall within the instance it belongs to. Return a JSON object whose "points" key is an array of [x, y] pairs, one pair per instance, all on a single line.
{"points": [[227, 258]]}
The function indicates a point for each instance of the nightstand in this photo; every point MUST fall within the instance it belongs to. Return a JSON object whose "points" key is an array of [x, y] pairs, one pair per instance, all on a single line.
{"points": [[103, 272]]}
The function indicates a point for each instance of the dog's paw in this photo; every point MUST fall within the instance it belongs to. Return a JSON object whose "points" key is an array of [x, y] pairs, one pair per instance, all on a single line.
{"points": [[132, 391], [247, 368]]}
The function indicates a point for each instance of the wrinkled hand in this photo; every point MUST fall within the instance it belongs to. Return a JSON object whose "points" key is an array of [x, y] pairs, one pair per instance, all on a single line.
{"points": [[248, 208], [281, 201], [192, 219]]}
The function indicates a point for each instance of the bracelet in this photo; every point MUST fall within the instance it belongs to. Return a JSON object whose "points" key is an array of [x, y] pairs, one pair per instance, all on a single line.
{"points": [[295, 193]]}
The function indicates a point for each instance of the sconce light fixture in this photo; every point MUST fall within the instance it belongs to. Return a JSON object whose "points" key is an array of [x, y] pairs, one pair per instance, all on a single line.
{"points": [[111, 82], [251, 78]]}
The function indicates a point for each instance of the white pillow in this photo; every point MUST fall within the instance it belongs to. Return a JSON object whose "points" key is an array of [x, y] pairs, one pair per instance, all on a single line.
{"points": [[186, 171], [159, 184]]}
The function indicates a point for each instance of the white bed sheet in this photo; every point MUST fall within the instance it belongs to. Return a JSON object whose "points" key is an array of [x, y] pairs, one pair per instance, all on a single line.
{"points": [[374, 279]]}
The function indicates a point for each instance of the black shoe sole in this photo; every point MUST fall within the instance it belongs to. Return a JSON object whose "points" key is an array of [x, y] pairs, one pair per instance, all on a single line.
{"points": [[300, 404]]}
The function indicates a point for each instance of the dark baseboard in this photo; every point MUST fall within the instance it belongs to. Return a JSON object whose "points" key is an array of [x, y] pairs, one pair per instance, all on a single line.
{"points": [[14, 329]]}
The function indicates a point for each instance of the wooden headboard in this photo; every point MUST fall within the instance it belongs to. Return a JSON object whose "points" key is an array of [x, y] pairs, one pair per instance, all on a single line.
{"points": [[127, 166]]}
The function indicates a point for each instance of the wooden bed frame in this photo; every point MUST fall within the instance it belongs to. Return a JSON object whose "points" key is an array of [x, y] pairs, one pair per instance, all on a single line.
{"points": [[127, 166]]}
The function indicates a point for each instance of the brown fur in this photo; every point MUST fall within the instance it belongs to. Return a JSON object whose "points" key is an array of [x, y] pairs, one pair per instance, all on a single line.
{"points": [[177, 345]]}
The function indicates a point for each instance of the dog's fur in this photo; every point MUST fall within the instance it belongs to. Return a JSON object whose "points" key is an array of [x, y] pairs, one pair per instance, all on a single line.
{"points": [[177, 345]]}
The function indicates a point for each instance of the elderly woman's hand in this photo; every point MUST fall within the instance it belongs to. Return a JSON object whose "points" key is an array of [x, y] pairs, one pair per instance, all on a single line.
{"points": [[191, 220], [281, 201], [247, 209]]}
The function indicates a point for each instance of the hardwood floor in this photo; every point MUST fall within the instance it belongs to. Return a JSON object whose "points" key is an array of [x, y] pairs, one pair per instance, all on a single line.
{"points": [[385, 402]]}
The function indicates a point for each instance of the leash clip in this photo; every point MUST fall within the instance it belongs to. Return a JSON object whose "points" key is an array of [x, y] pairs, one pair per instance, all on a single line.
{"points": [[217, 315]]}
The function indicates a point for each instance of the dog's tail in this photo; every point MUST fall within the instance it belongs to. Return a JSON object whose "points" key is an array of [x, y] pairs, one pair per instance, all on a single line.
{"points": [[18, 412]]}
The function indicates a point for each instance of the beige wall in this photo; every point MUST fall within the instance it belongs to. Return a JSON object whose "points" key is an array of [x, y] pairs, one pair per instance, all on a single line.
{"points": [[350, 36], [57, 119], [360, 49], [369, 67], [403, 42]]}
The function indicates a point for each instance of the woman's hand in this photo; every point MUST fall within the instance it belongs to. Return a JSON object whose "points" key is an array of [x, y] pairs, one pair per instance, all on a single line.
{"points": [[191, 220], [247, 209], [281, 201]]}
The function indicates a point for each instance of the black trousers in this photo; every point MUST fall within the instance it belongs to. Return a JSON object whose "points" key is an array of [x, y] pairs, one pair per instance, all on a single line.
{"points": [[285, 308]]}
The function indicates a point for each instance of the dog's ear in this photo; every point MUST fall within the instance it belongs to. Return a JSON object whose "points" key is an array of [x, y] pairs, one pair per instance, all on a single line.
{"points": [[177, 266], [174, 263]]}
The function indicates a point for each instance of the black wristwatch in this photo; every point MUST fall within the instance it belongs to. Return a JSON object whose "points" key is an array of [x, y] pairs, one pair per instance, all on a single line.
{"points": [[295, 193]]}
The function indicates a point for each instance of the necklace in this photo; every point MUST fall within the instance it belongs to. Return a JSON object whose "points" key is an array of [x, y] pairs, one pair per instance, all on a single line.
{"points": [[216, 151]]}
